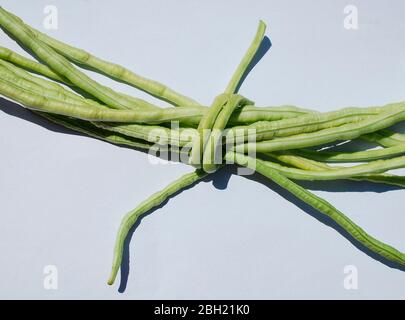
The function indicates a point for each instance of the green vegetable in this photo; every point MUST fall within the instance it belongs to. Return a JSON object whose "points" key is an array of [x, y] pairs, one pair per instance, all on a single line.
{"points": [[327, 209], [206, 136]]}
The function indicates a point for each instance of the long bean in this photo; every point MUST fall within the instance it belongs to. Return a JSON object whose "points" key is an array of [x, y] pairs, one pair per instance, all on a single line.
{"points": [[291, 158], [281, 133], [28, 64], [385, 138], [377, 166], [270, 130], [41, 87], [112, 70], [41, 103], [185, 180], [153, 201], [62, 66], [357, 156], [357, 233], [395, 114]]}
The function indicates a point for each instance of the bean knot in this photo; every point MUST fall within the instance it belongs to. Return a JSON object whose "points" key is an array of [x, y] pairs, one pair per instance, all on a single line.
{"points": [[207, 143]]}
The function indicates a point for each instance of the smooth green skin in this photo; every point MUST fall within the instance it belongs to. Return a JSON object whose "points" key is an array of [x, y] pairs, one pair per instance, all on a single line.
{"points": [[325, 208]]}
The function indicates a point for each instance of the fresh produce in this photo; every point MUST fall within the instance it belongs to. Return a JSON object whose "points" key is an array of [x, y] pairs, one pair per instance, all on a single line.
{"points": [[282, 143]]}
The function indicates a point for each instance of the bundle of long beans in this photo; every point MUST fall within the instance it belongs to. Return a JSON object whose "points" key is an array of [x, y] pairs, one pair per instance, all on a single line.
{"points": [[283, 138]]}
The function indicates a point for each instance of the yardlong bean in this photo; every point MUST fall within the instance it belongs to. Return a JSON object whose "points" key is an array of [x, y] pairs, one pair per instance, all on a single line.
{"points": [[357, 233], [112, 70], [186, 180], [73, 99], [385, 138], [311, 165], [377, 166], [153, 201], [41, 103], [395, 114], [28, 64], [62, 66], [357, 156]]}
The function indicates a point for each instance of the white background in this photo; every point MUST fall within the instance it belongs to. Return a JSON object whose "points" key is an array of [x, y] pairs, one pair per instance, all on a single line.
{"points": [[62, 195]]}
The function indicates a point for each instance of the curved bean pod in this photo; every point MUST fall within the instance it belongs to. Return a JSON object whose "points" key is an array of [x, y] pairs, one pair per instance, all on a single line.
{"points": [[112, 70], [357, 233], [153, 201]]}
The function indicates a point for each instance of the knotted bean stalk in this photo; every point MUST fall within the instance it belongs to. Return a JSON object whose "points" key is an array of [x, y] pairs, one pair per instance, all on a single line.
{"points": [[282, 134]]}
